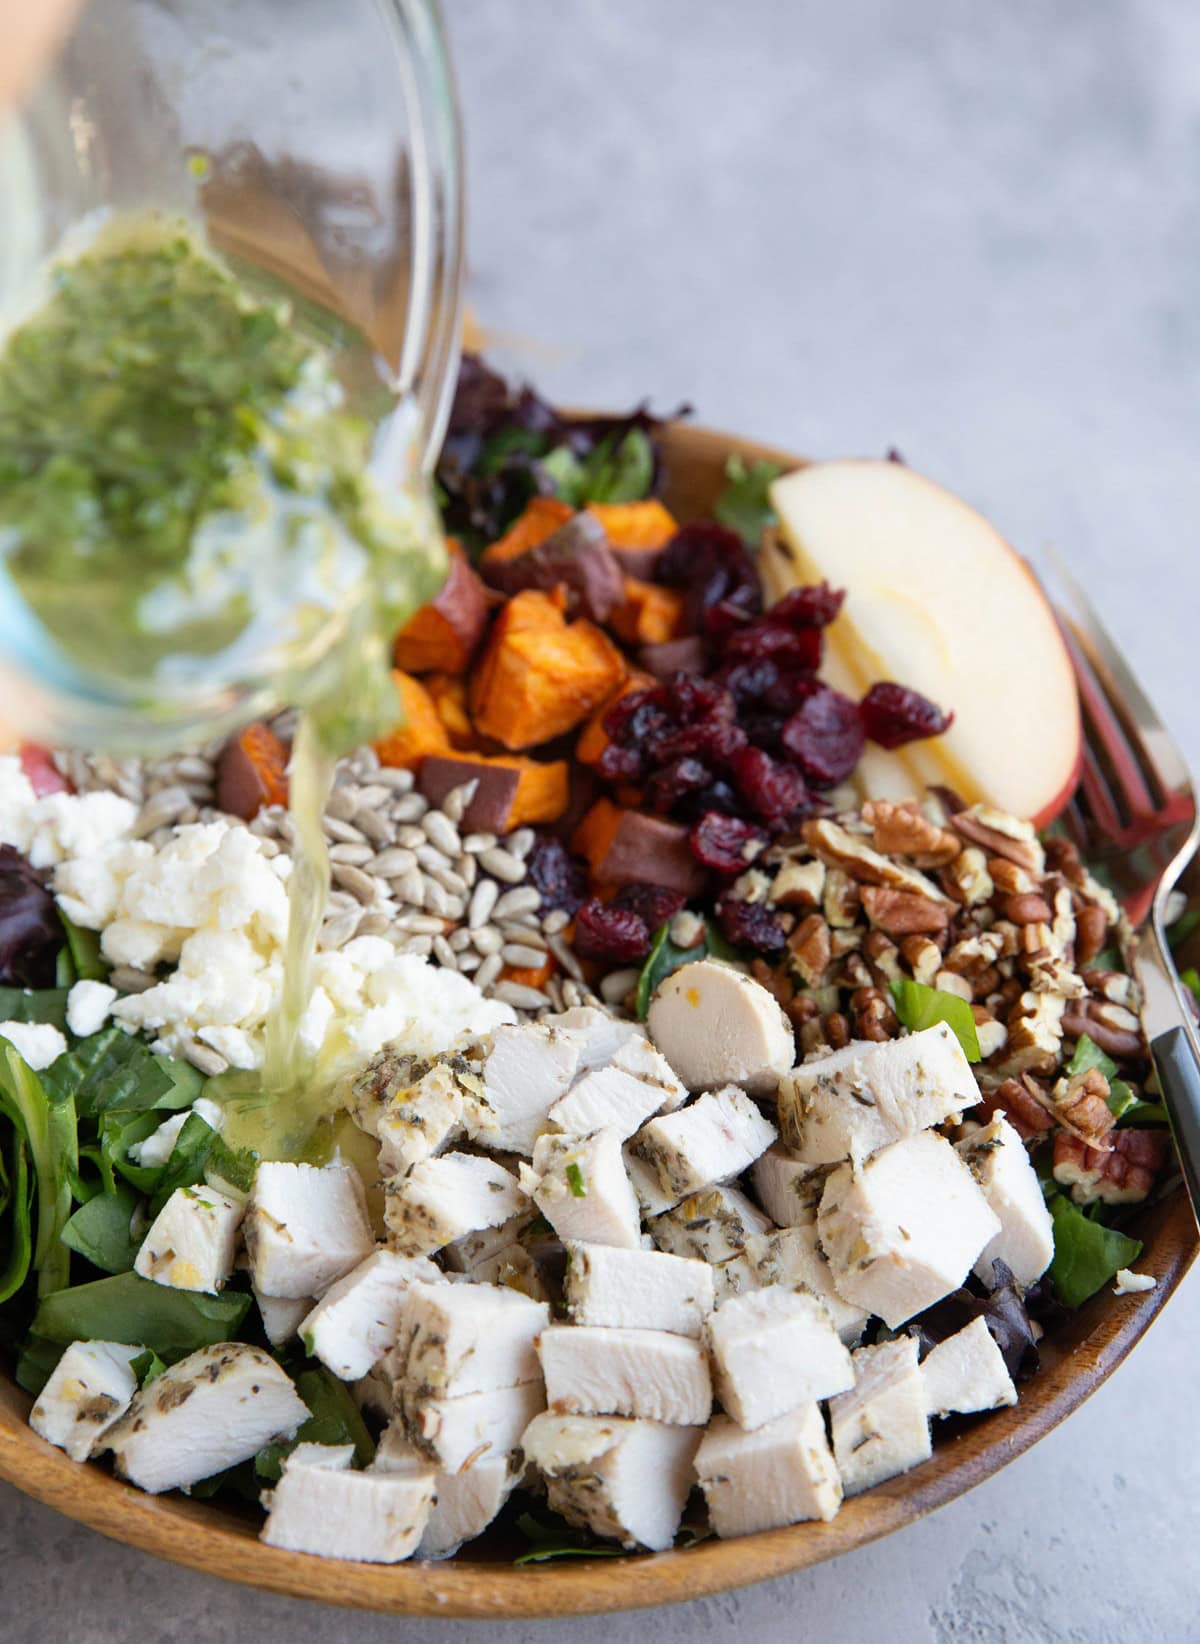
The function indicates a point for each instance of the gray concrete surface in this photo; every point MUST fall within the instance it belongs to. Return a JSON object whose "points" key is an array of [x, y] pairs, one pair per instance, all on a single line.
{"points": [[972, 232]]}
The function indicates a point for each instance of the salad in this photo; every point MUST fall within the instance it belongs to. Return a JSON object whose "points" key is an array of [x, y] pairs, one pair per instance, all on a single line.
{"points": [[730, 1088]]}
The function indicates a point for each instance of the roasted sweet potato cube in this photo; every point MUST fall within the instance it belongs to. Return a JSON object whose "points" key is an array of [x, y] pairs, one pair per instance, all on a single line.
{"points": [[576, 557], [649, 614], [627, 847], [449, 694], [512, 792], [542, 516], [443, 635], [419, 730], [252, 772], [637, 532], [534, 683]]}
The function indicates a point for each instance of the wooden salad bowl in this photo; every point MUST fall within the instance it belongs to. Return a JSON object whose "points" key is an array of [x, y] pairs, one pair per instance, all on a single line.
{"points": [[483, 1582]]}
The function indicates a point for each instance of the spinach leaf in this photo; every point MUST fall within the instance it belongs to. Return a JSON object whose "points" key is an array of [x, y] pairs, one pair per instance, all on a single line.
{"points": [[83, 948], [119, 1131], [36, 1362], [147, 1367], [99, 1230], [185, 1167], [18, 1230], [113, 1070], [744, 505], [43, 1005], [234, 1166], [131, 1309], [1086, 1253], [1088, 1055], [333, 1418], [558, 1540], [1121, 1098], [50, 1133], [666, 956], [919, 1007], [1143, 1113]]}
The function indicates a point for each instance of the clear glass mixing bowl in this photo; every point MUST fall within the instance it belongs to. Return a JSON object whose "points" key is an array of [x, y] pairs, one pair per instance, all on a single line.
{"points": [[316, 146]]}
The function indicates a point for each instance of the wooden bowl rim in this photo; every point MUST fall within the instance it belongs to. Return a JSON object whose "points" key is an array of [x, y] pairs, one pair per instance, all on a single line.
{"points": [[216, 1541]]}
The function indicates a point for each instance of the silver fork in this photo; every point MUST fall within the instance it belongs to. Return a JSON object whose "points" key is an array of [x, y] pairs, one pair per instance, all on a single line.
{"points": [[1134, 815]]}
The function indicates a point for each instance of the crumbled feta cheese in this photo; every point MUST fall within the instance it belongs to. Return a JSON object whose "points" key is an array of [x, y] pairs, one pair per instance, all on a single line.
{"points": [[774, 1350], [781, 1473], [579, 1184], [157, 1148], [620, 1095], [446, 1197], [1133, 1284], [455, 1433], [625, 1480], [637, 1289], [880, 1427], [904, 1229], [213, 1409], [59, 825], [598, 1370], [38, 1044], [997, 1158], [335, 1512], [966, 1372], [305, 1227], [714, 1139], [88, 1006], [467, 1338], [356, 1320], [190, 1244], [853, 1101], [89, 1389]]}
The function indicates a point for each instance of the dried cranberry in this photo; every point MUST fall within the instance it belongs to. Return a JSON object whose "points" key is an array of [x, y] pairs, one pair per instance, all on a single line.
{"points": [[714, 740], [721, 842], [653, 903], [713, 567], [619, 765], [772, 790], [750, 925], [635, 715], [749, 679], [718, 796], [792, 647], [690, 697], [667, 785], [723, 618], [825, 737], [893, 715], [764, 730], [603, 931], [814, 606], [559, 879], [790, 689]]}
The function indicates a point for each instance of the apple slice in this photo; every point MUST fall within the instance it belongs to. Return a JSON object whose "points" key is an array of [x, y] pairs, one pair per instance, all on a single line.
{"points": [[937, 600]]}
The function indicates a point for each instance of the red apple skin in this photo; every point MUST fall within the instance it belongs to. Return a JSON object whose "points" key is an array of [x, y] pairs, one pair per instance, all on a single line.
{"points": [[43, 774], [1062, 799]]}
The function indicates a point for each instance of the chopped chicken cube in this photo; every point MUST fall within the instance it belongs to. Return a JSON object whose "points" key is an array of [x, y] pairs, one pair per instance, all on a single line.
{"points": [[713, 1140], [467, 1254], [601, 1370], [781, 1473], [527, 1068], [89, 1390], [621, 1095], [356, 1320], [850, 1103], [334, 1512], [999, 1162], [712, 1226], [282, 1316], [637, 1289], [467, 1338], [597, 1035], [904, 1229], [515, 1267], [793, 1256], [880, 1428], [966, 1372], [190, 1244], [773, 1350], [424, 1119], [464, 1503], [652, 1201], [453, 1433], [625, 1480], [443, 1198], [717, 1026], [788, 1189], [213, 1409], [581, 1187], [305, 1227]]}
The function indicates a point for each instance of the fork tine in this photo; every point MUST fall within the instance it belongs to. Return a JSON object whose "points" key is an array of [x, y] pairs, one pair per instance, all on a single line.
{"points": [[1126, 763]]}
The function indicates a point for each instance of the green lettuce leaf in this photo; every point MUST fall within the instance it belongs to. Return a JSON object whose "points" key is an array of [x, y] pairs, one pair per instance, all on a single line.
{"points": [[666, 956], [919, 1007], [333, 1418], [49, 1130], [99, 1231], [744, 505], [17, 1221], [1086, 1253], [1088, 1055], [131, 1309]]}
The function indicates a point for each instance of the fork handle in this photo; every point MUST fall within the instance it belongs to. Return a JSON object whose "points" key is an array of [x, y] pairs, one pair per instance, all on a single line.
{"points": [[1179, 1076]]}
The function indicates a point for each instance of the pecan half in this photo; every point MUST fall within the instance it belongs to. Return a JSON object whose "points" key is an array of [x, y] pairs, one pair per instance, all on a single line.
{"points": [[872, 1014], [901, 830], [903, 913], [923, 958], [810, 949], [1028, 908], [883, 956], [967, 878], [1123, 1176], [798, 885], [1000, 835], [1081, 1106], [1023, 1104], [1091, 928], [840, 849], [1084, 1016], [840, 899], [1009, 879], [1035, 1034]]}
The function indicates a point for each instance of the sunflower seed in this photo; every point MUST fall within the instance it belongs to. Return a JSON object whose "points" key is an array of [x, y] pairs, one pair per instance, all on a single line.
{"points": [[376, 827], [341, 804], [521, 842], [572, 994], [488, 971], [565, 957], [430, 857], [483, 901], [440, 831], [373, 795], [424, 924], [375, 922], [520, 930], [393, 862], [555, 921], [394, 779], [522, 900], [205, 1058], [516, 953], [457, 800], [476, 842], [460, 939], [554, 991], [444, 953], [358, 883], [163, 809], [410, 837], [410, 887], [487, 940], [435, 899], [502, 864], [617, 984], [420, 946], [343, 833], [356, 855], [521, 998], [468, 961], [409, 808], [338, 930]]}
